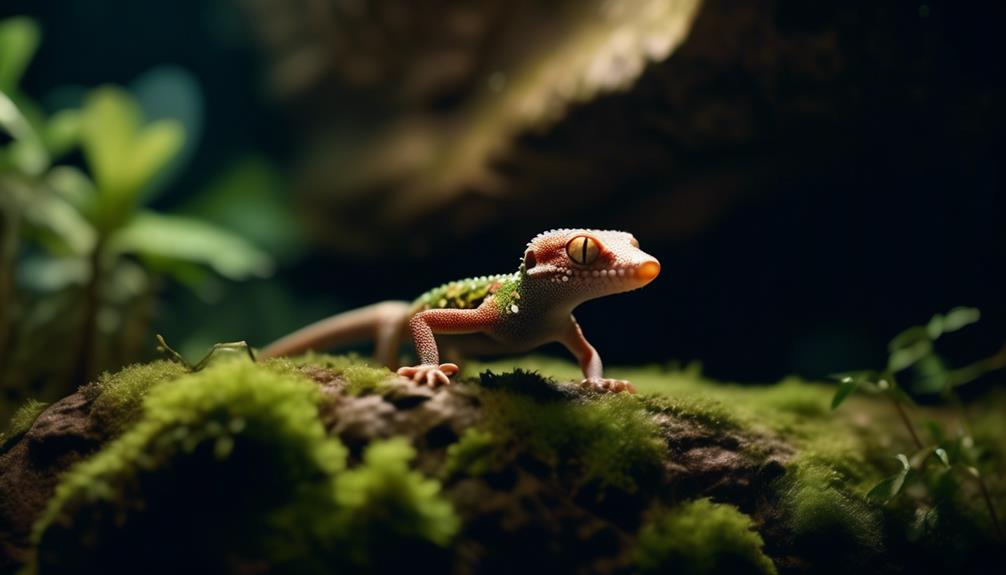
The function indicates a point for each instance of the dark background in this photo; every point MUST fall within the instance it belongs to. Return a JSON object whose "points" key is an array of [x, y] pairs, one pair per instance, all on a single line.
{"points": [[866, 216]]}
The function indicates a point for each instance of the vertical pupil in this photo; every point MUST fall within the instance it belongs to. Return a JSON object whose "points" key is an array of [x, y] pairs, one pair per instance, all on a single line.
{"points": [[583, 256]]}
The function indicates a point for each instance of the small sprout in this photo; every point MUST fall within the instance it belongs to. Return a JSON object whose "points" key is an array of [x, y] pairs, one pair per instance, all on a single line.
{"points": [[228, 347]]}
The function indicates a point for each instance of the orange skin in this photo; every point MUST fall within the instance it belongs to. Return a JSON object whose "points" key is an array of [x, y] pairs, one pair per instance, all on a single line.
{"points": [[509, 313]]}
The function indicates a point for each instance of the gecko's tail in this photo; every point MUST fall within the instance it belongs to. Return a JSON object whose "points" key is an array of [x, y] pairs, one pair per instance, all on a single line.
{"points": [[384, 323]]}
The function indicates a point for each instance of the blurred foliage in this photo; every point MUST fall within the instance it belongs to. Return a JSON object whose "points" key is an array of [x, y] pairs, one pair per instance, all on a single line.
{"points": [[81, 258], [939, 464]]}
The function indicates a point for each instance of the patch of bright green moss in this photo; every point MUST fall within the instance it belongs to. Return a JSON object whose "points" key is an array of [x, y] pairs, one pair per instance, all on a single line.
{"points": [[213, 461], [702, 537], [383, 504], [363, 379], [22, 421], [117, 398], [472, 454], [611, 439]]}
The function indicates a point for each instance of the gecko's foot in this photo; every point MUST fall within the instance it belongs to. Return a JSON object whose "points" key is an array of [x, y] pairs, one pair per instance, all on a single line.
{"points": [[603, 385], [431, 375]]}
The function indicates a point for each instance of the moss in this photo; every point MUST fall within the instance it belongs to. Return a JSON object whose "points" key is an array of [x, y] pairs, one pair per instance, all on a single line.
{"points": [[362, 376], [832, 527], [363, 379], [472, 454], [22, 421], [702, 537], [117, 398], [384, 505], [184, 469], [527, 383], [234, 457], [609, 439], [707, 412]]}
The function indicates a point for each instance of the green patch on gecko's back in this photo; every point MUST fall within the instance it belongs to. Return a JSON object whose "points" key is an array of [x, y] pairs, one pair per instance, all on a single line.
{"points": [[471, 292]]}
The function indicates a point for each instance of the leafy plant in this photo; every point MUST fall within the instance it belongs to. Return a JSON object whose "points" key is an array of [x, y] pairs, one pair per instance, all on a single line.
{"points": [[932, 463], [87, 255]]}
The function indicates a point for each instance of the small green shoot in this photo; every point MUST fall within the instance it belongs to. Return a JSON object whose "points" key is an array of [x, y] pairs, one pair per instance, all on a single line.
{"points": [[228, 347]]}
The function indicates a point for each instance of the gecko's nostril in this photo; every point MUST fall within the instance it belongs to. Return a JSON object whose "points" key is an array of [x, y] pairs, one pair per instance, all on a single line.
{"points": [[648, 270]]}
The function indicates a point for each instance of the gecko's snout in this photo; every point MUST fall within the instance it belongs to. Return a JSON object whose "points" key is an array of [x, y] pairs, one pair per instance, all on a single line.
{"points": [[648, 271]]}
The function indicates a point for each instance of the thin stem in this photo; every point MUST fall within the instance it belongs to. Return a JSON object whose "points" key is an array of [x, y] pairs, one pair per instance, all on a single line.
{"points": [[87, 339], [9, 231], [988, 503], [907, 422]]}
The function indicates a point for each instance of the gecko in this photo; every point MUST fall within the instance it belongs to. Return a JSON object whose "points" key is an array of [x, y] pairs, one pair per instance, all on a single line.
{"points": [[506, 313]]}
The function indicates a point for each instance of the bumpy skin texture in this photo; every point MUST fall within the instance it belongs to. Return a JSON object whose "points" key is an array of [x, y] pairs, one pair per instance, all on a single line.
{"points": [[504, 313]]}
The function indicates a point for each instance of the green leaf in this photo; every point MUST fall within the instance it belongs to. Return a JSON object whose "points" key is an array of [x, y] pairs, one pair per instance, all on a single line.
{"points": [[890, 487], [73, 186], [19, 39], [845, 387], [960, 317], [904, 357], [903, 459], [942, 455], [50, 212], [12, 120], [908, 338], [110, 123], [154, 147], [62, 132], [122, 154], [931, 375], [162, 239]]}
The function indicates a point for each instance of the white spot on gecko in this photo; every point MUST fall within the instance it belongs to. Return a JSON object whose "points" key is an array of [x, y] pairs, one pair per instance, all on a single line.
{"points": [[514, 308]]}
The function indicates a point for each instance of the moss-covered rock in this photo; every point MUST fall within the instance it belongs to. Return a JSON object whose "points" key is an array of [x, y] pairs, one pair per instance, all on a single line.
{"points": [[320, 464]]}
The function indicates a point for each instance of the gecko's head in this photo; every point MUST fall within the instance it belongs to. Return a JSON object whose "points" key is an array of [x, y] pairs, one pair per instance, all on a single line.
{"points": [[588, 263]]}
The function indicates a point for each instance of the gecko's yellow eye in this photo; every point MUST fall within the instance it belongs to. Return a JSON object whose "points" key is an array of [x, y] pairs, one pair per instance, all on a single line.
{"points": [[583, 250]]}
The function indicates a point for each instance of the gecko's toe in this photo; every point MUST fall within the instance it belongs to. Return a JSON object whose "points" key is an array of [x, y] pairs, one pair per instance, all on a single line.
{"points": [[430, 375], [600, 385]]}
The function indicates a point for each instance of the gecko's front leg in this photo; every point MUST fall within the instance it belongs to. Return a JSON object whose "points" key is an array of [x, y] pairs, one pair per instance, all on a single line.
{"points": [[444, 321], [590, 362]]}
